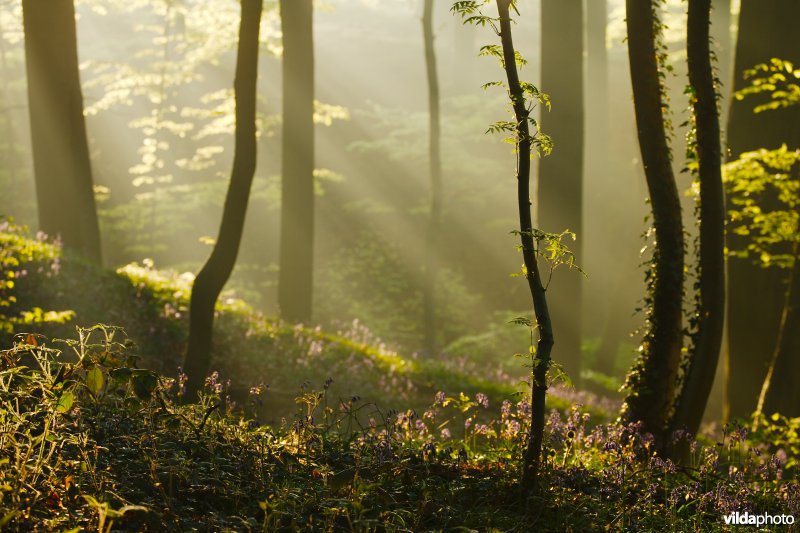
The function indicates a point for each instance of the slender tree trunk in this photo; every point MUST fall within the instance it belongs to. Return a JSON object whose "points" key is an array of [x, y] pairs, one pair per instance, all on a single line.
{"points": [[533, 452], [64, 189], [652, 382], [435, 170], [783, 395], [766, 30], [702, 363], [297, 193], [10, 160], [561, 174], [217, 269]]}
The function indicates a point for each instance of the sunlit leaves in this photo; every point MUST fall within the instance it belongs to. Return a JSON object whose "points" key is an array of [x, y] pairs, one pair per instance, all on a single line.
{"points": [[552, 248], [754, 181], [325, 114], [779, 78]]}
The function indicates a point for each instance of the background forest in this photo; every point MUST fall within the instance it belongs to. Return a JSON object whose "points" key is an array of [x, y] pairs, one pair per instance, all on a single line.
{"points": [[265, 262]]}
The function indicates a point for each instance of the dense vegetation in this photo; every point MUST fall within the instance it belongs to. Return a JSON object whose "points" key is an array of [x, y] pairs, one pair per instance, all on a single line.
{"points": [[93, 437]]}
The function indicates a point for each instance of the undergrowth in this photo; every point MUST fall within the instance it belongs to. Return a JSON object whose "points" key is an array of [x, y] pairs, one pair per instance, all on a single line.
{"points": [[89, 441]]}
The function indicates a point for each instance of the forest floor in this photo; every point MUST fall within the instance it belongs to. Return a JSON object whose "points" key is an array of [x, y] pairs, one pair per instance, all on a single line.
{"points": [[344, 434]]}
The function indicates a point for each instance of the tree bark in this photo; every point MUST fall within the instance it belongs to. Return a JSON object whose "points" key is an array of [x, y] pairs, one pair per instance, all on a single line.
{"points": [[701, 365], [755, 298], [541, 363], [652, 383], [215, 273], [561, 174], [64, 189], [297, 193], [435, 171]]}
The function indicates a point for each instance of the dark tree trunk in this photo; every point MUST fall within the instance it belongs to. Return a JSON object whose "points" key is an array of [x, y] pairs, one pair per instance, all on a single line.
{"points": [[64, 189], [297, 193], [652, 381], [561, 174], [755, 298], [215, 273], [701, 365], [541, 363], [435, 170]]}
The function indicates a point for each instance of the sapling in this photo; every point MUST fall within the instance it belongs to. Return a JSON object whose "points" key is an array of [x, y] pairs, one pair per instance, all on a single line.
{"points": [[524, 97]]}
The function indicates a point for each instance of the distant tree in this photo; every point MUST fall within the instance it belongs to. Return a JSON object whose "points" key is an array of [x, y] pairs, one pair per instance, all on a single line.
{"points": [[597, 167], [297, 193], [217, 269], [723, 50], [651, 383], [766, 30], [435, 171], [700, 364], [560, 186], [64, 188]]}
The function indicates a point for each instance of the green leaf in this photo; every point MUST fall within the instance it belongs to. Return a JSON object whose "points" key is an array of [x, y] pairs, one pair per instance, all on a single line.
{"points": [[121, 375], [65, 402], [95, 381], [144, 385]]}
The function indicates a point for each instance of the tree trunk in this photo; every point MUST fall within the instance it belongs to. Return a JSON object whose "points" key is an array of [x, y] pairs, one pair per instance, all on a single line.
{"points": [[780, 393], [701, 365], [541, 363], [766, 30], [64, 189], [297, 193], [217, 269], [652, 381], [435, 170], [561, 174]]}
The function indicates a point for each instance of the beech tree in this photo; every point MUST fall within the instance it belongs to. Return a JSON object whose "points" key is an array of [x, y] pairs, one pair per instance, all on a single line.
{"points": [[703, 355], [652, 382], [215, 272], [62, 169], [297, 184]]}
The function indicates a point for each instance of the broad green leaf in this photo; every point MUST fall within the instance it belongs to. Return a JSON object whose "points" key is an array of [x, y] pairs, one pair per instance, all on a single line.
{"points": [[65, 402], [95, 381]]}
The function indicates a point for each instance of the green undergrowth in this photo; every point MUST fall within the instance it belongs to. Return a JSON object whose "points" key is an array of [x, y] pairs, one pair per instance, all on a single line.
{"points": [[91, 442], [249, 349]]}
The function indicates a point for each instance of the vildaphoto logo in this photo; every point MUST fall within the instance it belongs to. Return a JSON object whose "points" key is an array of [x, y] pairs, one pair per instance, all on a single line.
{"points": [[764, 519]]}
